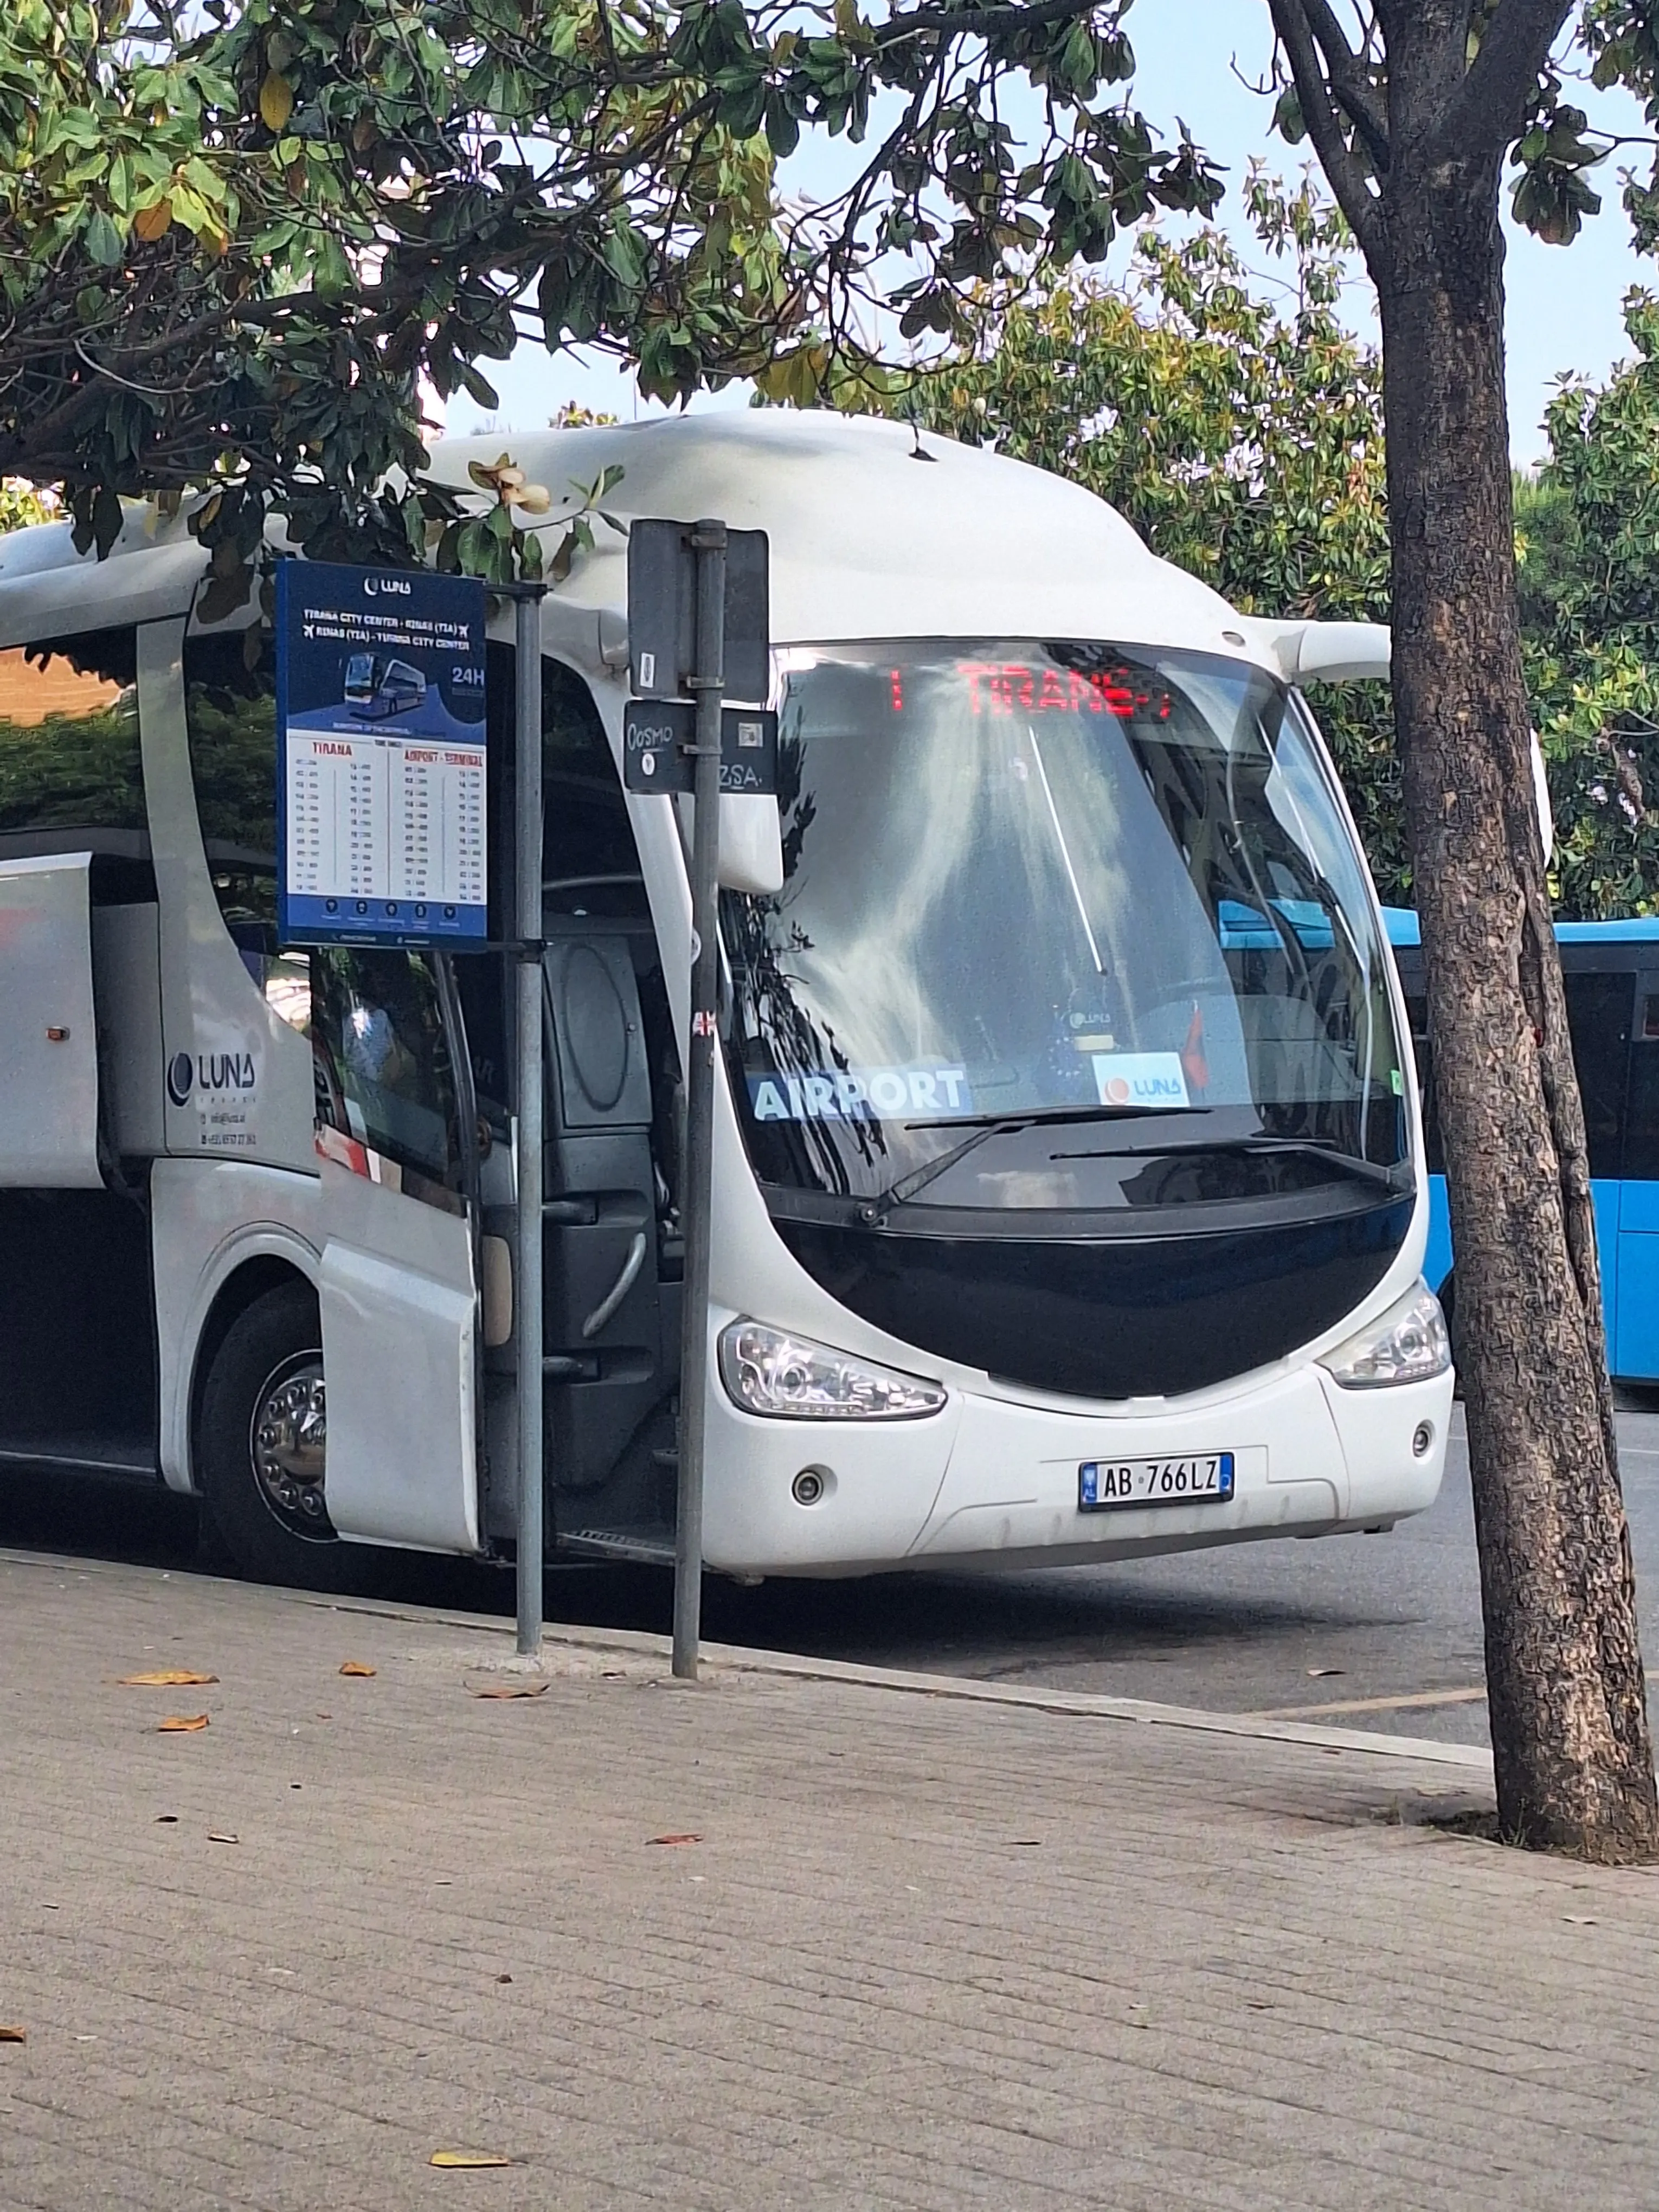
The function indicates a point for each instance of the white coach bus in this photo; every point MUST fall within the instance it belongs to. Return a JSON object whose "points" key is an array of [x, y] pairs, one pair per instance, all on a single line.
{"points": [[1068, 1194]]}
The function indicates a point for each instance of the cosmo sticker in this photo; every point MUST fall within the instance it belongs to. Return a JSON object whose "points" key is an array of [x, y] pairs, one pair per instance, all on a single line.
{"points": [[861, 1094]]}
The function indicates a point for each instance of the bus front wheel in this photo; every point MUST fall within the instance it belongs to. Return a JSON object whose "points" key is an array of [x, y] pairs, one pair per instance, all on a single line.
{"points": [[262, 1448]]}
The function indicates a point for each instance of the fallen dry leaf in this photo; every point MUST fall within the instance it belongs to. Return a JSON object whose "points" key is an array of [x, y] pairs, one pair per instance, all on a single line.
{"points": [[468, 2158], [673, 1840], [165, 1678], [166, 1819], [1578, 1920], [181, 1724], [223, 1836], [1317, 1673], [515, 1690], [357, 1667], [14, 2035]]}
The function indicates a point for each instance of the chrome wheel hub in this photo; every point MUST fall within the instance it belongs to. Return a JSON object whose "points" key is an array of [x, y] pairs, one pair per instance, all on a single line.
{"points": [[289, 1442]]}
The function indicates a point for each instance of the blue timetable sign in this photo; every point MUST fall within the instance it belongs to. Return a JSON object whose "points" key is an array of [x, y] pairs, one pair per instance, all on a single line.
{"points": [[380, 738]]}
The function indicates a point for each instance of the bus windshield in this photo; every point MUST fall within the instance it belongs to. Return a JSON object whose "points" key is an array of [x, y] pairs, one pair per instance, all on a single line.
{"points": [[1043, 881]]}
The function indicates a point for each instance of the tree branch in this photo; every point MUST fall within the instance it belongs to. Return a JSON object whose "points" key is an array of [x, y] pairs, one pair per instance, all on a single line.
{"points": [[1488, 110], [1349, 89], [979, 23], [1345, 178]]}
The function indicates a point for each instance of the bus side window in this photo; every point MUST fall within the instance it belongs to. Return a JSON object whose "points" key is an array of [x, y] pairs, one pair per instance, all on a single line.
{"points": [[69, 762], [1417, 1014], [1599, 1019], [1641, 1163], [230, 713]]}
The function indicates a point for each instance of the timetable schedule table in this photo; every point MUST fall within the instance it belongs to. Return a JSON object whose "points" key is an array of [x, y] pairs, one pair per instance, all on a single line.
{"points": [[385, 819]]}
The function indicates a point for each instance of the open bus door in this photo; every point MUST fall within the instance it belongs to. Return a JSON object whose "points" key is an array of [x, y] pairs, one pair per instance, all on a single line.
{"points": [[611, 1252], [397, 1284]]}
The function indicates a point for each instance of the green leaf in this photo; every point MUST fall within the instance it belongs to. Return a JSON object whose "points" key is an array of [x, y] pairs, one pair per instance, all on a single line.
{"points": [[103, 240]]}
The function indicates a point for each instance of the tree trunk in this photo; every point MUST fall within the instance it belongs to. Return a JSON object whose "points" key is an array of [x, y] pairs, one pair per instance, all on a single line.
{"points": [[1567, 1697]]}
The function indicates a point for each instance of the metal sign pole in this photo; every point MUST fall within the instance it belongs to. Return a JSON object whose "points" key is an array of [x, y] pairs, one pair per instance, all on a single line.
{"points": [[527, 1320], [707, 685]]}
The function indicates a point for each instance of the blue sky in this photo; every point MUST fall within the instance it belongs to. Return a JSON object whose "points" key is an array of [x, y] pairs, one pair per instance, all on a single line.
{"points": [[1197, 59]]}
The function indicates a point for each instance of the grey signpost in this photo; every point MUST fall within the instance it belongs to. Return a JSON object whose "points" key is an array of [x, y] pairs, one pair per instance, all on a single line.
{"points": [[708, 683], [527, 1320], [697, 615]]}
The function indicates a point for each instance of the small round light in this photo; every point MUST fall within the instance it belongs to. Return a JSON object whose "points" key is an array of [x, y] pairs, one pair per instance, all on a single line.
{"points": [[1422, 1438], [808, 1486]]}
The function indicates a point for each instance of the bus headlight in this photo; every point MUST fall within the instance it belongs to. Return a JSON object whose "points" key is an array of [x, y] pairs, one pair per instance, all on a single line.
{"points": [[790, 1378], [1407, 1344]]}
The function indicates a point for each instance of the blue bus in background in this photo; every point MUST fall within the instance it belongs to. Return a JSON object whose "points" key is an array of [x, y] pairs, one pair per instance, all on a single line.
{"points": [[1611, 970]]}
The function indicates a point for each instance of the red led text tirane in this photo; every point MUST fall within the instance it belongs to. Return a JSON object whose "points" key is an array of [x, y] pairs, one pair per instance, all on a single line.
{"points": [[1008, 687]]}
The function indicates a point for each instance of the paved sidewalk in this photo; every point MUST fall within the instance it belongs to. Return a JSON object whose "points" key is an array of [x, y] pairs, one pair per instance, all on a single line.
{"points": [[923, 1952]]}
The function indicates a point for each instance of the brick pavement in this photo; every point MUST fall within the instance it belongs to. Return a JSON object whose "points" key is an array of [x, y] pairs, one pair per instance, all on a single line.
{"points": [[925, 1953]]}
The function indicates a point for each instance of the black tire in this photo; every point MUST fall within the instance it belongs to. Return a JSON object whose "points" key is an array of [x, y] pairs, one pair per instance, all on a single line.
{"points": [[271, 1359]]}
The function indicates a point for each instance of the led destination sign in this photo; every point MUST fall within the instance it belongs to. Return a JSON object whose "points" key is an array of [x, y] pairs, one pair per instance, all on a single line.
{"points": [[1011, 687]]}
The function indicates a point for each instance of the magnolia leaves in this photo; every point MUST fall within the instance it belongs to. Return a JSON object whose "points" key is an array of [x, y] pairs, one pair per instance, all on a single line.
{"points": [[240, 250], [276, 101], [498, 546], [1551, 197]]}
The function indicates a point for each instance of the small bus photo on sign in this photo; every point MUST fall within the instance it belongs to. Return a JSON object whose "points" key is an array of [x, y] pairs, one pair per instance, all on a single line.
{"points": [[382, 733]]}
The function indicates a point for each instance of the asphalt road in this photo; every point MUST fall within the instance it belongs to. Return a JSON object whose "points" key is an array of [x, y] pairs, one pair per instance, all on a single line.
{"points": [[1368, 1632]]}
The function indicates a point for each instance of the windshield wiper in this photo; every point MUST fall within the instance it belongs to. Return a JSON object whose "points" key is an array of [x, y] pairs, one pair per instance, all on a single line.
{"points": [[981, 1126], [1350, 1162]]}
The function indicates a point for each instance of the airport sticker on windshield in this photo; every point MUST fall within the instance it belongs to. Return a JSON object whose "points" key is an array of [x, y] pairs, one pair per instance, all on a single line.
{"points": [[864, 1094], [1140, 1078]]}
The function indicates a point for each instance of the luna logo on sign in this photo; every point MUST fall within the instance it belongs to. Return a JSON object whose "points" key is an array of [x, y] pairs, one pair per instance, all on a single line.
{"points": [[861, 1094], [1140, 1078]]}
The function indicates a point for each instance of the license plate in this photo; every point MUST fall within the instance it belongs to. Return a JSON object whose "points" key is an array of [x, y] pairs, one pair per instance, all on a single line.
{"points": [[1200, 1479]]}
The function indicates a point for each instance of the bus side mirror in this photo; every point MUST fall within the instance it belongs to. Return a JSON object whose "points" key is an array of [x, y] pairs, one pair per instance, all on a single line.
{"points": [[751, 844], [1347, 652]]}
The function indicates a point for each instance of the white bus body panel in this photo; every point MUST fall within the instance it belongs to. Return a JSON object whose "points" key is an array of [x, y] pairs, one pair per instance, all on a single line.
{"points": [[209, 1218], [238, 1081], [48, 1027], [991, 1481], [399, 1306], [394, 1282]]}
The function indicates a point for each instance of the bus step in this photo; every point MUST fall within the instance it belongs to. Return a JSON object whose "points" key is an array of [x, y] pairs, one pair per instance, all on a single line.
{"points": [[653, 1547], [125, 1458]]}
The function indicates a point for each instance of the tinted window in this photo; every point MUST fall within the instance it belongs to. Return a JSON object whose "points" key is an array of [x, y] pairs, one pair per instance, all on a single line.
{"points": [[589, 863], [68, 736], [1598, 1015], [230, 710], [1641, 1126], [1417, 1014], [381, 1055]]}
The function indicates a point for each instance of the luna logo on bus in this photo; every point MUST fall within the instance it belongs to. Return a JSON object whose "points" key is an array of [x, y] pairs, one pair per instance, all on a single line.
{"points": [[206, 1072]]}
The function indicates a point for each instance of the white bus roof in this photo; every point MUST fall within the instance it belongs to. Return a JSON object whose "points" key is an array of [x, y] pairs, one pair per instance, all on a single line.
{"points": [[867, 540]]}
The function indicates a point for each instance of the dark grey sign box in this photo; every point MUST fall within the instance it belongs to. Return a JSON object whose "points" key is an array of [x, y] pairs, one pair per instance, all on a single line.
{"points": [[662, 611], [655, 733]]}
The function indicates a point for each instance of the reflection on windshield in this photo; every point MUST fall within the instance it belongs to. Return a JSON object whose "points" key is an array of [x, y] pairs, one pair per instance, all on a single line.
{"points": [[1020, 878]]}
